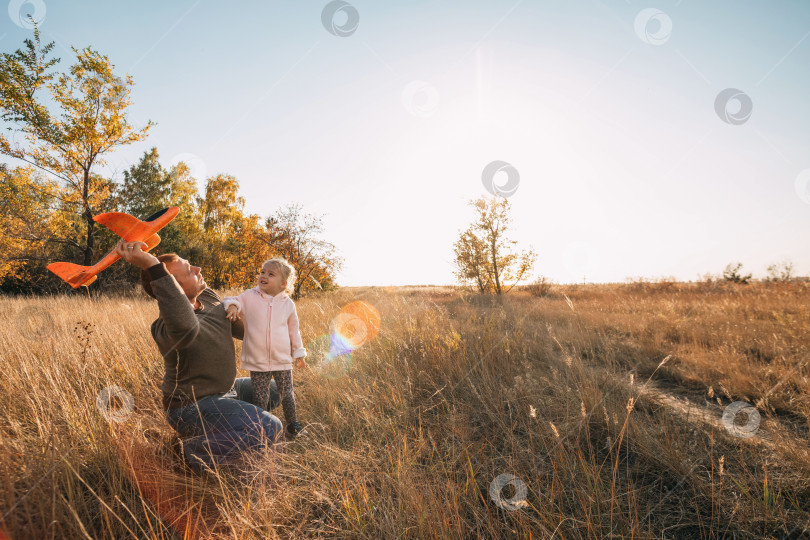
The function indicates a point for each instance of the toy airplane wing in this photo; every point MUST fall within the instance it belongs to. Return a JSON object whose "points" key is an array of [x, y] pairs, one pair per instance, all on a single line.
{"points": [[128, 228], [121, 224], [133, 229]]}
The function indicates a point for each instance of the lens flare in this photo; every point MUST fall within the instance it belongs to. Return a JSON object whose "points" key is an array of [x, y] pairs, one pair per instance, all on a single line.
{"points": [[356, 324], [329, 355], [160, 487]]}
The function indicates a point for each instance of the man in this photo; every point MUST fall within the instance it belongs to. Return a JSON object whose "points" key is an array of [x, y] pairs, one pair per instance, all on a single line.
{"points": [[203, 401]]}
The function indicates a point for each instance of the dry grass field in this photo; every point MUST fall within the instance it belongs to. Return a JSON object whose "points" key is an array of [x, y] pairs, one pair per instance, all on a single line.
{"points": [[592, 412]]}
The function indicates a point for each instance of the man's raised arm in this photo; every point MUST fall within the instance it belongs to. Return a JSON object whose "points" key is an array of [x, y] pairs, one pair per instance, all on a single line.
{"points": [[177, 325]]}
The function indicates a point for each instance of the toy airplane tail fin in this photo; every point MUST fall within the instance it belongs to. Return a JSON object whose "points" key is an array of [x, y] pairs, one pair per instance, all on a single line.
{"points": [[75, 275]]}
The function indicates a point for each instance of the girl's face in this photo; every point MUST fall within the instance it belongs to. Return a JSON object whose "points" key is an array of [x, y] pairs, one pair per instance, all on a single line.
{"points": [[270, 280]]}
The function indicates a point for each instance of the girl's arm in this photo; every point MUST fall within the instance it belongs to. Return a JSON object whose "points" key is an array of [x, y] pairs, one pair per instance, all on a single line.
{"points": [[234, 301], [298, 350]]}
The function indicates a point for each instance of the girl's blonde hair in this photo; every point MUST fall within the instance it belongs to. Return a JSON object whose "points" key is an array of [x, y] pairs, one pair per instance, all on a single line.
{"points": [[287, 272]]}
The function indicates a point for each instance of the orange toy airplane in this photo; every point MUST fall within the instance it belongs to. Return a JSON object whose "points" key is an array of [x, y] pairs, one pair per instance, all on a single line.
{"points": [[130, 228]]}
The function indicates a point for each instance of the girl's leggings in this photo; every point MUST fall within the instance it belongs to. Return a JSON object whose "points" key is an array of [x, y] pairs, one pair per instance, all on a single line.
{"points": [[261, 391]]}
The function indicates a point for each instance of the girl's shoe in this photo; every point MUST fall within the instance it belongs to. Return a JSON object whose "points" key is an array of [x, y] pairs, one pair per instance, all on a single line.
{"points": [[294, 429]]}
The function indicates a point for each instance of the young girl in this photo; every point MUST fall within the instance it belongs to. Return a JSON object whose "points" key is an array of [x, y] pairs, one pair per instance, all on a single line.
{"points": [[272, 339]]}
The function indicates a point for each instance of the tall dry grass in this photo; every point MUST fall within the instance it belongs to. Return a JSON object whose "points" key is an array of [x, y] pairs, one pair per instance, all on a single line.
{"points": [[455, 391]]}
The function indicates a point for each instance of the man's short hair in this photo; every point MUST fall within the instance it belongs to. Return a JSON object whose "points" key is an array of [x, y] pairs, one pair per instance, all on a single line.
{"points": [[146, 278]]}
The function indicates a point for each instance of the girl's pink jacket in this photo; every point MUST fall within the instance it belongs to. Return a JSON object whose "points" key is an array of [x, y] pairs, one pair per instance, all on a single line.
{"points": [[272, 338]]}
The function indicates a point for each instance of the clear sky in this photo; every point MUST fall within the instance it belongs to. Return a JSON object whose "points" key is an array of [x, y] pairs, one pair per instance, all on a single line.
{"points": [[606, 109]]}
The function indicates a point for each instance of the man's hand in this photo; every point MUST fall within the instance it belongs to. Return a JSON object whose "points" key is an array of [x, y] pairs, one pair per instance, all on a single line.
{"points": [[233, 313], [133, 254]]}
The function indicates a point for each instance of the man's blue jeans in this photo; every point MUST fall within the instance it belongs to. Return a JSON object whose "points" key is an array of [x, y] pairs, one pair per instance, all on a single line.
{"points": [[216, 429]]}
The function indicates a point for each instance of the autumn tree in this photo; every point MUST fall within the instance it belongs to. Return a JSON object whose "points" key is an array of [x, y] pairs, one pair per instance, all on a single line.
{"points": [[67, 121], [471, 260], [248, 247], [221, 209], [148, 187], [215, 232], [145, 188], [233, 243], [295, 235], [484, 255], [29, 226], [185, 232]]}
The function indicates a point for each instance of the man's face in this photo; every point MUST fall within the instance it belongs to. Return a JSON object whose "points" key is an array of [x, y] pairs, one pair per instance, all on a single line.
{"points": [[189, 277]]}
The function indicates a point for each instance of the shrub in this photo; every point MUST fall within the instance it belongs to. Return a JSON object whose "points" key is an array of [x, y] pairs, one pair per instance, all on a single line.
{"points": [[780, 272], [540, 287], [732, 274]]}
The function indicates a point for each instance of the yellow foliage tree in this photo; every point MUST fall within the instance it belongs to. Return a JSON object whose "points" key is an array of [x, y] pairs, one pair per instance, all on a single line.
{"points": [[249, 249], [29, 226], [187, 226], [484, 254], [233, 244], [471, 261], [294, 235], [68, 131]]}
